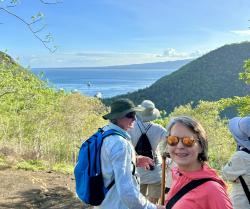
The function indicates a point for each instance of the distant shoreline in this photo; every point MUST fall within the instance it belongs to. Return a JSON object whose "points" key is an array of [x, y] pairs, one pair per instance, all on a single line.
{"points": [[150, 66]]}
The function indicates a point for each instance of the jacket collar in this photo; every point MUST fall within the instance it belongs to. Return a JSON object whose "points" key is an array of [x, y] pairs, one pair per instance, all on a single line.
{"points": [[119, 129]]}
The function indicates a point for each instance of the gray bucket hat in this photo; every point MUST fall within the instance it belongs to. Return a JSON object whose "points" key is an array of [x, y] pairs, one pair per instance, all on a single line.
{"points": [[240, 129], [150, 112], [120, 108]]}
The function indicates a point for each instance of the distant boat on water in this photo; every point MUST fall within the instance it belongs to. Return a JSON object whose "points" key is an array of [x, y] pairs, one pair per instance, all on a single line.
{"points": [[89, 84], [98, 95]]}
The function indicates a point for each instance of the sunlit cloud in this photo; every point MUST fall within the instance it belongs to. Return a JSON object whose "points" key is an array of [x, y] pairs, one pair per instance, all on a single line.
{"points": [[95, 59], [197, 53], [173, 54], [241, 32]]}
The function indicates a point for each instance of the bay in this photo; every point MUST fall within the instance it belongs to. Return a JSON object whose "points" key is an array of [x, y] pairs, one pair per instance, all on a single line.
{"points": [[109, 82]]}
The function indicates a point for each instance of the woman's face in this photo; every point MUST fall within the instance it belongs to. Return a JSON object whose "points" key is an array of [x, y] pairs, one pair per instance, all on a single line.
{"points": [[185, 157]]}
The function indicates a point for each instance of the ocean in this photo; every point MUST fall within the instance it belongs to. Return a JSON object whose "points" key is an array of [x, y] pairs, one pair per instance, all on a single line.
{"points": [[104, 82]]}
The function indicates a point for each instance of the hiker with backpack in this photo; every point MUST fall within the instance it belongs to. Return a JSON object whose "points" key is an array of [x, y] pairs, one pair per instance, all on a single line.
{"points": [[237, 170], [146, 136], [117, 164], [195, 185]]}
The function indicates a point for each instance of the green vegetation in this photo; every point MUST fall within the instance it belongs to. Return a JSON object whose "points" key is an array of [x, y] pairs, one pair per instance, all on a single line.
{"points": [[63, 168], [3, 162], [246, 75], [210, 77], [42, 128], [40, 123], [242, 104], [31, 165]]}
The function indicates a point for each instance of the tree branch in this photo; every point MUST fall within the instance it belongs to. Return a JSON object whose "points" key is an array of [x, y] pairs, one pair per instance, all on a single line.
{"points": [[34, 32]]}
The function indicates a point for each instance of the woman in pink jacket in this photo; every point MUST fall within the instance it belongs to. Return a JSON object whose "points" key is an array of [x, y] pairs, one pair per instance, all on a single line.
{"points": [[188, 148]]}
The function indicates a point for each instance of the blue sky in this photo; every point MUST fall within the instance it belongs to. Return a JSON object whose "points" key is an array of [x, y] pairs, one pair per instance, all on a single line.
{"points": [[115, 32]]}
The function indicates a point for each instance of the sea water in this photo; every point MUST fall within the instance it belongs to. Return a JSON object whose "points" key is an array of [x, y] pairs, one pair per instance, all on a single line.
{"points": [[104, 82]]}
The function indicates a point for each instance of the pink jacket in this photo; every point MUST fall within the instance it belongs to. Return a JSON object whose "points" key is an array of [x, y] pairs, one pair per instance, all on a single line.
{"points": [[210, 195]]}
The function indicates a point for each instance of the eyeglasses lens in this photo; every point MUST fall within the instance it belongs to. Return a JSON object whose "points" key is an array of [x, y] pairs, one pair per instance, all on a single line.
{"points": [[174, 140]]}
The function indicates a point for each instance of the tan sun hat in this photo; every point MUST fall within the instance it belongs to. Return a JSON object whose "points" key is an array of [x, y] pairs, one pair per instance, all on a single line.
{"points": [[150, 111], [120, 108]]}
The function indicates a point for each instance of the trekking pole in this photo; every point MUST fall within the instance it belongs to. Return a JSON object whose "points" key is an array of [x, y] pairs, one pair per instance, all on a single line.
{"points": [[163, 176]]}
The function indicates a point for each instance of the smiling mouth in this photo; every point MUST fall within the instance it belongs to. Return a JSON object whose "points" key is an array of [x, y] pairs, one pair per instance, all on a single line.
{"points": [[181, 154]]}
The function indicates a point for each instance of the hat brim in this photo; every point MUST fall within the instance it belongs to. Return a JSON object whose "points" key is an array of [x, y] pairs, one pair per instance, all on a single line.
{"points": [[240, 138], [154, 115], [112, 116]]}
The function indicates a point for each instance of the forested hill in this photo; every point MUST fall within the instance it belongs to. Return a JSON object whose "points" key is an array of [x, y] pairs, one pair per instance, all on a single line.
{"points": [[210, 77]]}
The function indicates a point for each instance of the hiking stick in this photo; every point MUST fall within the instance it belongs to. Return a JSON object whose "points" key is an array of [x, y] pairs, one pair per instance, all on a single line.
{"points": [[163, 176]]}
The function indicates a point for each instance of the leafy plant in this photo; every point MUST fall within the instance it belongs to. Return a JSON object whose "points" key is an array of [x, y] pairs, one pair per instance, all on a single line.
{"points": [[31, 165]]}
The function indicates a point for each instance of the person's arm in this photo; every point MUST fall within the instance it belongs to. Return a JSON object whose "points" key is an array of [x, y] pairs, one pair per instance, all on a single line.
{"points": [[234, 168], [124, 181]]}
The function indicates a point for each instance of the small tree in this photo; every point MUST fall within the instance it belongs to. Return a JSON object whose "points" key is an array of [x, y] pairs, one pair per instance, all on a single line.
{"points": [[241, 103], [246, 75]]}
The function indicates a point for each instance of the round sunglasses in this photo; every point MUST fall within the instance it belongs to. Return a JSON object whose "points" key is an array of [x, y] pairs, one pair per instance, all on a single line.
{"points": [[186, 140]]}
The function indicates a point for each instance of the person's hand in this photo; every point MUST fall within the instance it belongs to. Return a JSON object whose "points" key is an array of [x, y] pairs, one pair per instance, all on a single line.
{"points": [[144, 162], [160, 207]]}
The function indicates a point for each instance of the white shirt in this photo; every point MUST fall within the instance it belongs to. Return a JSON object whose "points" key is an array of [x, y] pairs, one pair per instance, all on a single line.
{"points": [[239, 165], [117, 155], [156, 133]]}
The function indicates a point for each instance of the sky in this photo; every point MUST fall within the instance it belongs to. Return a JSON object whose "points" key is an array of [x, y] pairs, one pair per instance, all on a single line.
{"points": [[91, 33]]}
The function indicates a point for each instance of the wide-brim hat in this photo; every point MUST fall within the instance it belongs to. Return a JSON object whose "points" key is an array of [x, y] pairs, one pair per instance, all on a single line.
{"points": [[150, 111], [240, 129], [120, 108]]}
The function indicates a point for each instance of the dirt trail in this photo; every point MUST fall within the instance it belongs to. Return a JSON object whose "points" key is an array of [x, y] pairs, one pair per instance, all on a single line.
{"points": [[39, 190]]}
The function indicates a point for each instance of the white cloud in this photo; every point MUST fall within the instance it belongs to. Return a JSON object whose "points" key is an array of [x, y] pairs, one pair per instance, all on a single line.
{"points": [[197, 53], [92, 59], [173, 54], [241, 32]]}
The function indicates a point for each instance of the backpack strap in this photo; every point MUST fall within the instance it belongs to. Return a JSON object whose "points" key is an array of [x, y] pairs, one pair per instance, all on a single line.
{"points": [[112, 132], [188, 187], [146, 129], [245, 187], [109, 133], [245, 150]]}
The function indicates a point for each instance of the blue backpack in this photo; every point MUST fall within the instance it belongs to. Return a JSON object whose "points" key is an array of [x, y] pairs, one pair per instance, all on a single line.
{"points": [[88, 175]]}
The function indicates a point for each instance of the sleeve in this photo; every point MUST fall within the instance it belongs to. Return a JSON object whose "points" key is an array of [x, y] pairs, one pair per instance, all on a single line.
{"points": [[234, 168], [124, 181]]}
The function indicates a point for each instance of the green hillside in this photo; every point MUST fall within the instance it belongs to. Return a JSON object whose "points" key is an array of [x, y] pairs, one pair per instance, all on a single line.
{"points": [[210, 77], [40, 123], [43, 128]]}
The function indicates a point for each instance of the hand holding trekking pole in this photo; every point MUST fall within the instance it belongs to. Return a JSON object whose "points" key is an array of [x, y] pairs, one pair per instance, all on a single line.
{"points": [[163, 180]]}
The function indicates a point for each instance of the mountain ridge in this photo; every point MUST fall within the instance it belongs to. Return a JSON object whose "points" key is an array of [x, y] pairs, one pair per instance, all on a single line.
{"points": [[209, 77], [152, 65]]}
